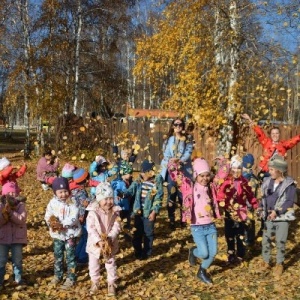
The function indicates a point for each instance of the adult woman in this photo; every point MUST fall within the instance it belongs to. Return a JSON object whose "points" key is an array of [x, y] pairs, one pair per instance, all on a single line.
{"points": [[272, 145], [178, 148]]}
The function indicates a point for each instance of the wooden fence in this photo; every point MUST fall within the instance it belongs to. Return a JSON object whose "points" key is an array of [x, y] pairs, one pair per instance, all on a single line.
{"points": [[150, 134]]}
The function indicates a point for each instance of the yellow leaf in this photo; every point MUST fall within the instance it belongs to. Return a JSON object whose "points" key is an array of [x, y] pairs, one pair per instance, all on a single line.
{"points": [[82, 128], [74, 158], [222, 204]]}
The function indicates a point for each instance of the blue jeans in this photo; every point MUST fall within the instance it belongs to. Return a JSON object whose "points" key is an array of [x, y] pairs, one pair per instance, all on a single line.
{"points": [[206, 240], [16, 256], [144, 233]]}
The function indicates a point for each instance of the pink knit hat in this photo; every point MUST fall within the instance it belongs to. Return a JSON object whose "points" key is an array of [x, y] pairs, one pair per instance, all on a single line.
{"points": [[200, 166], [10, 187], [68, 170]]}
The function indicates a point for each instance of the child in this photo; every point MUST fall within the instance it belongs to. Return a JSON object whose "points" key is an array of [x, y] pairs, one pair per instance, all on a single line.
{"points": [[46, 170], [279, 192], [99, 172], [203, 228], [234, 195], [120, 185], [8, 172], [13, 231], [62, 217], [147, 192], [247, 173], [103, 230], [67, 172], [79, 193]]}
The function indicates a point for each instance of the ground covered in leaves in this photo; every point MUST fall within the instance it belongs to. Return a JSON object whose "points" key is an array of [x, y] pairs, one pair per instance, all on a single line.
{"points": [[166, 276]]}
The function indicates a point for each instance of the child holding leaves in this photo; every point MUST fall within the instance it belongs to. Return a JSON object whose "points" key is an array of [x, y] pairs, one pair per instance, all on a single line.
{"points": [[234, 195], [103, 229], [13, 231], [204, 212], [62, 217]]}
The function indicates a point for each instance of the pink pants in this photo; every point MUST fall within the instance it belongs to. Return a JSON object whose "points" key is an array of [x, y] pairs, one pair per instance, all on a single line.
{"points": [[94, 269]]}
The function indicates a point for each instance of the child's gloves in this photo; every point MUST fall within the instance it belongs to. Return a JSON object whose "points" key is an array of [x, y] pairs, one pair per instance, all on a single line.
{"points": [[55, 224]]}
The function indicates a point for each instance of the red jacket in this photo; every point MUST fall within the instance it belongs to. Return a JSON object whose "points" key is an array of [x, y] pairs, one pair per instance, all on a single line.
{"points": [[233, 196], [270, 149], [10, 174]]}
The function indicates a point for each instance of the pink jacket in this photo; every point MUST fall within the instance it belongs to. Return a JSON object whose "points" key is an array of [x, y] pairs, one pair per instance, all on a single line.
{"points": [[97, 222], [234, 194], [15, 230], [205, 207], [43, 168]]}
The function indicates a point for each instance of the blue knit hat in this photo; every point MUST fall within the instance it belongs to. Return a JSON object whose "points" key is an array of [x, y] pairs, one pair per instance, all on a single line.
{"points": [[248, 161], [147, 166], [60, 183], [80, 175]]}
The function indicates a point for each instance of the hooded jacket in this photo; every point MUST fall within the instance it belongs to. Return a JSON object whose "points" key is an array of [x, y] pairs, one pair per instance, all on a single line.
{"points": [[100, 222], [68, 215]]}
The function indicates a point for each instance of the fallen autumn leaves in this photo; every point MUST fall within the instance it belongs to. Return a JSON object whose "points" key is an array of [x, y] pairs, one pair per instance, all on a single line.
{"points": [[166, 275]]}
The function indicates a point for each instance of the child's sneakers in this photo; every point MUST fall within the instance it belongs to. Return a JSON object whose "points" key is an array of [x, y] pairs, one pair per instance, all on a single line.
{"points": [[192, 258], [55, 281], [45, 186], [94, 288], [278, 270], [68, 284], [111, 290]]}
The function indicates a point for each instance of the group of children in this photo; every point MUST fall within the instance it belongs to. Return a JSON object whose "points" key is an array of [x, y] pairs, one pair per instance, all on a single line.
{"points": [[86, 227]]}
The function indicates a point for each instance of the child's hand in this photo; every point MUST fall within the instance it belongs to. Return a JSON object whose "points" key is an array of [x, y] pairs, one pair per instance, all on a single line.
{"points": [[272, 215], [55, 224], [152, 216]]}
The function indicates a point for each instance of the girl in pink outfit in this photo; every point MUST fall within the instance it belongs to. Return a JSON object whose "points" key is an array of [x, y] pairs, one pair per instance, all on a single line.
{"points": [[204, 212], [13, 230], [103, 229]]}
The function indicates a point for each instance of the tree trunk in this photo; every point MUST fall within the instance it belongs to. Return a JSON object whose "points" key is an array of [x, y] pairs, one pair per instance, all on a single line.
{"points": [[78, 28]]}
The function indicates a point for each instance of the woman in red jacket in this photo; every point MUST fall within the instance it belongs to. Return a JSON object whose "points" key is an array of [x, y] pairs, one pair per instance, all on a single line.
{"points": [[272, 145]]}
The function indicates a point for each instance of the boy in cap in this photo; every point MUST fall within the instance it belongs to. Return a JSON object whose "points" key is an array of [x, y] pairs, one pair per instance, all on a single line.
{"points": [[120, 185], [279, 192], [247, 173], [147, 192], [62, 217], [99, 172]]}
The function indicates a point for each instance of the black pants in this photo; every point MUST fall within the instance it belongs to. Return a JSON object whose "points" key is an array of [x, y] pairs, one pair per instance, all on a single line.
{"points": [[233, 233]]}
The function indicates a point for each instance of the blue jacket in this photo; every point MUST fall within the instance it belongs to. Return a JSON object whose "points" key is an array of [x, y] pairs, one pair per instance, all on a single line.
{"points": [[119, 186], [184, 153], [153, 200]]}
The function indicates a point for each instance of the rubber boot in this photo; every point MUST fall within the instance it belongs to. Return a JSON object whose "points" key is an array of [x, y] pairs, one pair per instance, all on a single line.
{"points": [[202, 275]]}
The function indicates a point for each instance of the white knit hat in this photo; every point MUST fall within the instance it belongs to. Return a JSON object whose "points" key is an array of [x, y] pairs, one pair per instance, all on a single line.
{"points": [[4, 162], [236, 162], [104, 190]]}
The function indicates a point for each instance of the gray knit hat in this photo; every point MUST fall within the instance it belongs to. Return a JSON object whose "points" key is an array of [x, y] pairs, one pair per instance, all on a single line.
{"points": [[277, 162]]}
